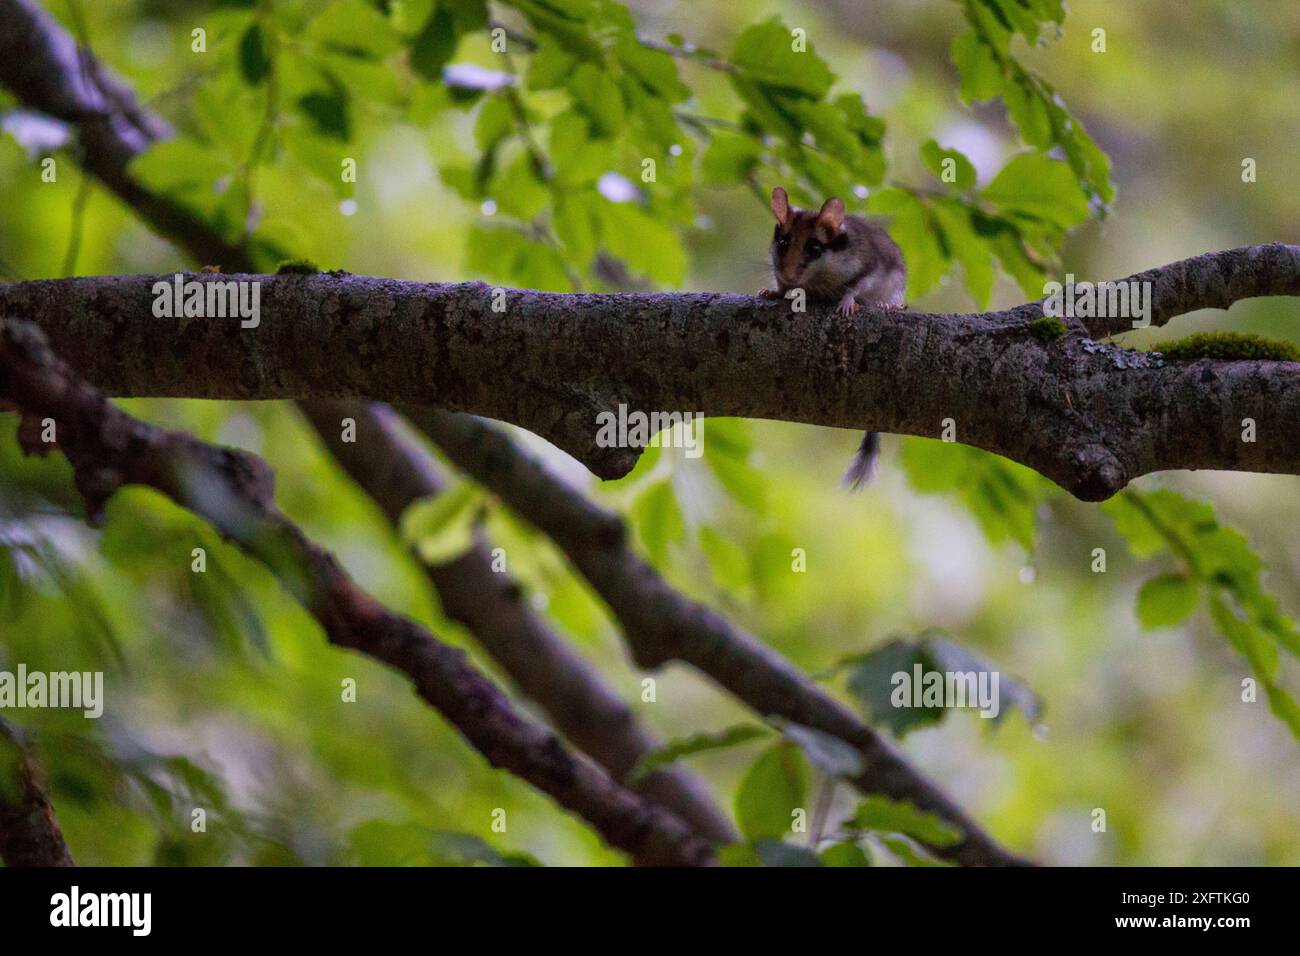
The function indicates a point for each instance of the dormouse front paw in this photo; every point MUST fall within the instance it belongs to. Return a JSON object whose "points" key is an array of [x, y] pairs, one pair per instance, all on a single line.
{"points": [[769, 293], [848, 306]]}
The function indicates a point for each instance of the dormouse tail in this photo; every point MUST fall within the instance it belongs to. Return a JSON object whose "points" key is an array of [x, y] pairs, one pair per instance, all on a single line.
{"points": [[863, 469]]}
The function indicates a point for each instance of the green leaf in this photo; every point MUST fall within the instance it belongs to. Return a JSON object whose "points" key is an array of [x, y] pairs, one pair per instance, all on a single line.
{"points": [[1012, 694], [328, 112], [1009, 246], [908, 852], [881, 815], [13, 592], [574, 219], [93, 625], [728, 561], [831, 755], [658, 519], [870, 130], [739, 855], [578, 159], [550, 65], [467, 849], [441, 528], [179, 165], [836, 128], [506, 255], [967, 247], [495, 121], [674, 750], [1143, 539], [743, 482], [960, 169], [596, 93], [1249, 641], [845, 854], [987, 68], [381, 843], [253, 62], [767, 852], [770, 791], [729, 158], [652, 129], [647, 245], [874, 681], [467, 15], [1167, 601], [871, 682], [1003, 496], [1284, 708], [435, 44], [1040, 187], [977, 67], [518, 191], [354, 28], [654, 69], [1028, 111], [765, 54]]}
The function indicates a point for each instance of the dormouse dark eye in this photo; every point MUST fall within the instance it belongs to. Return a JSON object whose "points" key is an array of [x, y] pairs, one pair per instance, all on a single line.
{"points": [[813, 249]]}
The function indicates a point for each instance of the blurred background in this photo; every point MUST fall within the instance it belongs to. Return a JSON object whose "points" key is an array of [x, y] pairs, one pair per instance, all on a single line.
{"points": [[222, 693]]}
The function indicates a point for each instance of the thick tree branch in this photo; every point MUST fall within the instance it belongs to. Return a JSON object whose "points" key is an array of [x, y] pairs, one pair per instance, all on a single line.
{"points": [[29, 833], [396, 472], [662, 626], [233, 490], [1088, 416]]}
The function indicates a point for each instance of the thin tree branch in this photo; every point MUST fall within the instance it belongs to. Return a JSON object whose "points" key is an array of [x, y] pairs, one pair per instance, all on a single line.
{"points": [[1214, 280], [661, 625], [40, 63], [233, 490], [396, 472], [29, 832]]}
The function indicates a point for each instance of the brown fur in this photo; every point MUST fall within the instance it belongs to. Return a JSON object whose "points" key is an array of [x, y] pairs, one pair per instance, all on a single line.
{"points": [[827, 253]]}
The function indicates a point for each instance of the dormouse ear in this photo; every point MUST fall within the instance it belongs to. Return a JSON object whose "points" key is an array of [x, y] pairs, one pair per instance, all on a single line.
{"points": [[831, 216], [781, 206]]}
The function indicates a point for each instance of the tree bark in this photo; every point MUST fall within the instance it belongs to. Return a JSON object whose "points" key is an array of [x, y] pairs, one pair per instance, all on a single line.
{"points": [[29, 832], [1089, 416]]}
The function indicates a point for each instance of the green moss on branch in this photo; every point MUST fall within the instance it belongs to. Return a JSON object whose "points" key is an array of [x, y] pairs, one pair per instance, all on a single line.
{"points": [[1047, 329], [1228, 346]]}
